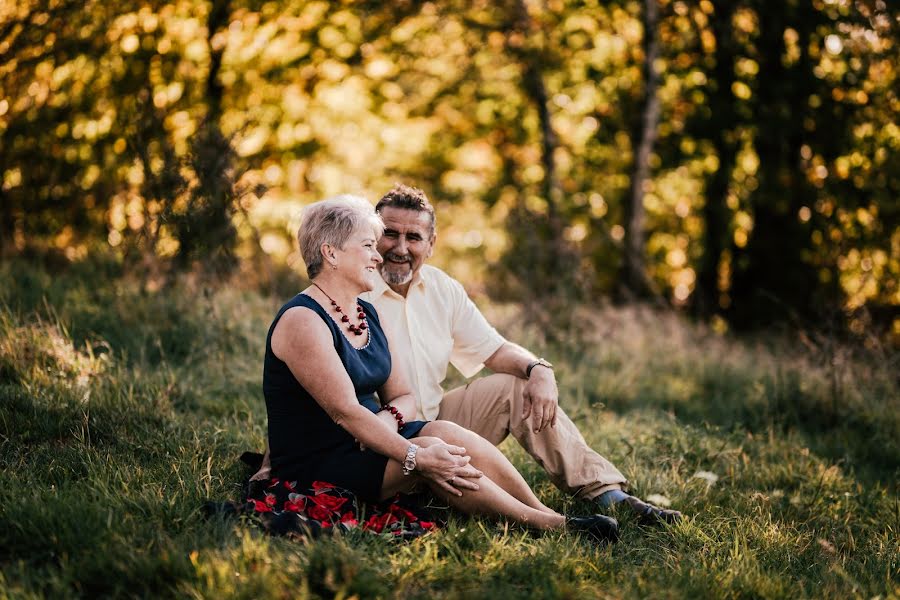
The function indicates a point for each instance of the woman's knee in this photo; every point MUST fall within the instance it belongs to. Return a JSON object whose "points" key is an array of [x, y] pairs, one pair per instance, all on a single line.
{"points": [[445, 430], [426, 440], [451, 433]]}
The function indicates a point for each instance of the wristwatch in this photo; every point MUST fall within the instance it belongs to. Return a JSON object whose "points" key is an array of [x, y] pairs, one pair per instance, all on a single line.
{"points": [[409, 464], [534, 363]]}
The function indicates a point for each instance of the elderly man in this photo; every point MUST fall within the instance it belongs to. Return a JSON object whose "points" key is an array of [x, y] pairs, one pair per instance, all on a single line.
{"points": [[443, 326]]}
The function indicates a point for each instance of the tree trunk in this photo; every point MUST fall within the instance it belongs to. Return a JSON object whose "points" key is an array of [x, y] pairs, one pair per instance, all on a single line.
{"points": [[643, 139], [720, 129], [207, 230], [772, 280], [7, 225], [533, 85], [554, 258], [216, 20]]}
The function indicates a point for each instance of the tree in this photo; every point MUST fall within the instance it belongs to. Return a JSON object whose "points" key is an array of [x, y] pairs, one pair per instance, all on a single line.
{"points": [[720, 125], [634, 270], [204, 227]]}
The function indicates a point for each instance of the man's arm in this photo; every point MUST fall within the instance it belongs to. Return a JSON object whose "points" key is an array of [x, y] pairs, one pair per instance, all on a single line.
{"points": [[540, 394], [473, 337]]}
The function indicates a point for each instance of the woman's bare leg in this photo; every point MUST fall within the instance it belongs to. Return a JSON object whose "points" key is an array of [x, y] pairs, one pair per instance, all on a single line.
{"points": [[492, 500], [487, 458], [489, 499]]}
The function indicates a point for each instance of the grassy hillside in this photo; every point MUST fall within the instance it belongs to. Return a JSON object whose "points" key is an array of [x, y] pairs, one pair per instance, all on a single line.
{"points": [[122, 411]]}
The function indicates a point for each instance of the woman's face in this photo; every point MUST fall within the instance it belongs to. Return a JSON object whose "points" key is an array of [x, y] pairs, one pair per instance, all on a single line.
{"points": [[359, 259]]}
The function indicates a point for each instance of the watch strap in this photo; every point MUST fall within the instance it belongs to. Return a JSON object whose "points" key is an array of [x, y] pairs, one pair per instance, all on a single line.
{"points": [[541, 361], [409, 463]]}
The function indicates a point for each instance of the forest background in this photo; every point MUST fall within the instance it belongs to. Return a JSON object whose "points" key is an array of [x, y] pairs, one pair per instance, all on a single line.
{"points": [[691, 206], [741, 159]]}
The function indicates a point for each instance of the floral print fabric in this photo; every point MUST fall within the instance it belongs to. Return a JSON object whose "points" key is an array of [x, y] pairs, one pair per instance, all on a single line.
{"points": [[284, 509]]}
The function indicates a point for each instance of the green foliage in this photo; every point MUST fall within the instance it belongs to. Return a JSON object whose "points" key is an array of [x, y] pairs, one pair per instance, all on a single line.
{"points": [[108, 450], [772, 185]]}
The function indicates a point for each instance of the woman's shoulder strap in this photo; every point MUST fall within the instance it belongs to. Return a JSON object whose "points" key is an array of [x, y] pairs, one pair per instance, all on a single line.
{"points": [[306, 302]]}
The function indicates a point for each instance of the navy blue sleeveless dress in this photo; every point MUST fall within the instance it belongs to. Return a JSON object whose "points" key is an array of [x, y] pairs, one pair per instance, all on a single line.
{"points": [[304, 442]]}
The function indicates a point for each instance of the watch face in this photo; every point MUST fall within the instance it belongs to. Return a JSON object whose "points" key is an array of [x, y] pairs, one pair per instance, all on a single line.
{"points": [[410, 463]]}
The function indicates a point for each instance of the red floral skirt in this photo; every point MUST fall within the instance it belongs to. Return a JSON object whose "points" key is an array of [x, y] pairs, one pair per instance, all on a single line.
{"points": [[284, 509]]}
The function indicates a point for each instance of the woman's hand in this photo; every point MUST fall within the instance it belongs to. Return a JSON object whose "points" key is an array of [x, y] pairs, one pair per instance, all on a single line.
{"points": [[448, 467]]}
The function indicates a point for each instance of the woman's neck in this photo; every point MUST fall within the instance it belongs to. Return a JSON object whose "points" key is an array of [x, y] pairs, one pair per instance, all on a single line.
{"points": [[338, 289]]}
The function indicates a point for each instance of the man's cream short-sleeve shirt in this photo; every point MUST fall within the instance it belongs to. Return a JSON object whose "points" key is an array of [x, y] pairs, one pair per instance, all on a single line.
{"points": [[435, 325]]}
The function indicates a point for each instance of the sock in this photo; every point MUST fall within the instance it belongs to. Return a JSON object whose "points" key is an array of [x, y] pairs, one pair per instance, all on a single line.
{"points": [[607, 499]]}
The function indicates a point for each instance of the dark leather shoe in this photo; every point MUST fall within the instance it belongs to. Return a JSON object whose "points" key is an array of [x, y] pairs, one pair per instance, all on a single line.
{"points": [[650, 514], [600, 528]]}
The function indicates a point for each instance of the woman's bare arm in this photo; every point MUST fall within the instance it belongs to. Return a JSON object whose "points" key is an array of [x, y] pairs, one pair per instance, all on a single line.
{"points": [[303, 341]]}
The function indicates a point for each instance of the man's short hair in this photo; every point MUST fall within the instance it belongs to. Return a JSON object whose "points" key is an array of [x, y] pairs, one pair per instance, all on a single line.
{"points": [[333, 221], [410, 198]]}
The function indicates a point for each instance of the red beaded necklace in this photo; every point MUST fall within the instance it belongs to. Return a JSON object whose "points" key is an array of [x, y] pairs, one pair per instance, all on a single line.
{"points": [[354, 329]]}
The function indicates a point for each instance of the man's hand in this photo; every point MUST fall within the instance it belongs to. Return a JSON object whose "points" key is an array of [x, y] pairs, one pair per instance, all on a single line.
{"points": [[541, 398]]}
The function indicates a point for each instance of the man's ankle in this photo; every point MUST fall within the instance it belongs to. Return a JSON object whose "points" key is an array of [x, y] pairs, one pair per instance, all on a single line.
{"points": [[607, 499]]}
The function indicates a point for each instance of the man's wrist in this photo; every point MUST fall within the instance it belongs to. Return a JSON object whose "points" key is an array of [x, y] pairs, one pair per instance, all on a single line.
{"points": [[540, 362]]}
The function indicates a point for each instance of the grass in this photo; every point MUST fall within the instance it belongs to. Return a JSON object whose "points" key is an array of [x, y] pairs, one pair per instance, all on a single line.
{"points": [[122, 411]]}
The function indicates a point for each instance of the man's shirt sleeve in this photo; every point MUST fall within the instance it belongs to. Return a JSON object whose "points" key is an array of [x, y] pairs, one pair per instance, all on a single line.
{"points": [[474, 340]]}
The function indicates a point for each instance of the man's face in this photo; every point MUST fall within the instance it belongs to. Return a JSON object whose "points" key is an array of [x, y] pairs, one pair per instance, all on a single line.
{"points": [[406, 243]]}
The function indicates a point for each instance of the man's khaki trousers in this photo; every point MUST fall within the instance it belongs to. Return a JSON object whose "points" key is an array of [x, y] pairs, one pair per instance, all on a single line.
{"points": [[492, 406]]}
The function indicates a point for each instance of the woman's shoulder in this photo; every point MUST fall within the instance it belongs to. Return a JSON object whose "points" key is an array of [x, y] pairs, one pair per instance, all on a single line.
{"points": [[300, 326], [300, 299], [301, 309]]}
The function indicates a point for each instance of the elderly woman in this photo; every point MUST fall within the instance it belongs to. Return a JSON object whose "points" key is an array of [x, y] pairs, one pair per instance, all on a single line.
{"points": [[327, 354]]}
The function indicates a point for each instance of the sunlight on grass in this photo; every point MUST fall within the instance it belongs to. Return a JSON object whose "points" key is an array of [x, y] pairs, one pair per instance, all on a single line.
{"points": [[108, 451]]}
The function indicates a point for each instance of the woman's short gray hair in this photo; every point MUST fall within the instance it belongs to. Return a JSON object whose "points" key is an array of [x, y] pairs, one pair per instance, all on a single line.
{"points": [[333, 221]]}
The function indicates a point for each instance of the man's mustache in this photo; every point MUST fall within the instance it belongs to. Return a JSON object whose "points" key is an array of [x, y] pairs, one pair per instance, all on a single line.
{"points": [[397, 257]]}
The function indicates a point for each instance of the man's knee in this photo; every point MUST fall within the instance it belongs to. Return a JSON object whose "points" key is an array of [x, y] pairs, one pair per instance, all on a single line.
{"points": [[487, 406], [504, 381], [497, 394], [508, 396]]}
